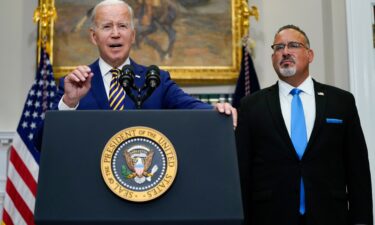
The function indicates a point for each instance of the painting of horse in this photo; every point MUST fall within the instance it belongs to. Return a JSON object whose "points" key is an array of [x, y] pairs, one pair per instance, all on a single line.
{"points": [[178, 33]]}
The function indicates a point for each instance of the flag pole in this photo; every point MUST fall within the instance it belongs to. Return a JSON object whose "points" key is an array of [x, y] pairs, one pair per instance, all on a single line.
{"points": [[247, 82]]}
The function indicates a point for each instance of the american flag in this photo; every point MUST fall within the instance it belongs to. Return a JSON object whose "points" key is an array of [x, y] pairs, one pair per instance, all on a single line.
{"points": [[247, 82], [21, 186]]}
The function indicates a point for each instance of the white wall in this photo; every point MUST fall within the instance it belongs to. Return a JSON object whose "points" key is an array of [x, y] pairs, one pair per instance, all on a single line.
{"points": [[17, 63], [362, 69], [17, 58]]}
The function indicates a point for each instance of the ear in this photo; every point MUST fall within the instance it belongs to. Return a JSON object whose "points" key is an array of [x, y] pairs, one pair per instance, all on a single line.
{"points": [[93, 36], [133, 36], [310, 55]]}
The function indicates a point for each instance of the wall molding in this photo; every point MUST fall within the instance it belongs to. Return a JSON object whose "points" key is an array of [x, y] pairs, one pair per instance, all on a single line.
{"points": [[6, 137], [362, 68], [361, 63], [5, 143]]}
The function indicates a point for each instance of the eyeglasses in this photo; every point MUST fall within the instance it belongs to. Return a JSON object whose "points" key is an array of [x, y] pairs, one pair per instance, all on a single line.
{"points": [[292, 46], [109, 27]]}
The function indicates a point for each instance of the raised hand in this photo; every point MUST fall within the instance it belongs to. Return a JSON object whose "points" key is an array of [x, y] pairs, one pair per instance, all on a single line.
{"points": [[76, 85]]}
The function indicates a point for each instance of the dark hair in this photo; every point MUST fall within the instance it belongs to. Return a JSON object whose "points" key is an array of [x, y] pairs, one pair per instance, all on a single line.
{"points": [[294, 27]]}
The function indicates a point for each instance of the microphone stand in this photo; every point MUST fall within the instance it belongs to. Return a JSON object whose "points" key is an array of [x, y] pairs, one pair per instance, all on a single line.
{"points": [[139, 99], [151, 83]]}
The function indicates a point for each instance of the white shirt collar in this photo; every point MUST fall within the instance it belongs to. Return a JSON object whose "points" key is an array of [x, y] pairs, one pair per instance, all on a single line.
{"points": [[307, 87], [105, 67]]}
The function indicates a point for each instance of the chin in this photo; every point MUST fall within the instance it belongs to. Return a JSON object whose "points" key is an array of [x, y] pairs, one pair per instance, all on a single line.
{"points": [[288, 71], [287, 75]]}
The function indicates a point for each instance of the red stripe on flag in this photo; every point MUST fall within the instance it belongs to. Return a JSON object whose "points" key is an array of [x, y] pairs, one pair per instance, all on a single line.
{"points": [[6, 218], [19, 203], [23, 171]]}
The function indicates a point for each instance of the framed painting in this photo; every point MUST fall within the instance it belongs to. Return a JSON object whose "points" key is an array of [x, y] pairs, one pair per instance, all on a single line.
{"points": [[197, 41]]}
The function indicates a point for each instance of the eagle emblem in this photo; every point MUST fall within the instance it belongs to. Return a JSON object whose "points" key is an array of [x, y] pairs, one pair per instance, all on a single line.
{"points": [[140, 167], [138, 161]]}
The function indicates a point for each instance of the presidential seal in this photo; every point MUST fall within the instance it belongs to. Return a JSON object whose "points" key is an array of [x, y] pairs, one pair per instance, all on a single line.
{"points": [[139, 164]]}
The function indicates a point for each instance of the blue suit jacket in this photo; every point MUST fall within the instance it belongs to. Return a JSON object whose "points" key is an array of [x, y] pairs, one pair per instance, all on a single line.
{"points": [[168, 95]]}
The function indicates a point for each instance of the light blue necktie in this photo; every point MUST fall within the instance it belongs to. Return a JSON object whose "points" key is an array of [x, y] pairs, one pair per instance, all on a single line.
{"points": [[299, 136]]}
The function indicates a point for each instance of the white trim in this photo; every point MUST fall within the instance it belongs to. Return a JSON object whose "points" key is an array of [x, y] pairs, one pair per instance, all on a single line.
{"points": [[6, 139], [362, 69]]}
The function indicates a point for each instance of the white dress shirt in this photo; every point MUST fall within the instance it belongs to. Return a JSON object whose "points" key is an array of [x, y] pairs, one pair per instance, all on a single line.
{"points": [[308, 101], [105, 70]]}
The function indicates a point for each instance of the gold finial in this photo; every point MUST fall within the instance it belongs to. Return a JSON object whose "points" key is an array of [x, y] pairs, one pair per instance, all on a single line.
{"points": [[46, 15], [246, 13]]}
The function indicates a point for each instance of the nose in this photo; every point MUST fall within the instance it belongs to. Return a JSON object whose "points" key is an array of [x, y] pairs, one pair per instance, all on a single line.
{"points": [[115, 31], [285, 50]]}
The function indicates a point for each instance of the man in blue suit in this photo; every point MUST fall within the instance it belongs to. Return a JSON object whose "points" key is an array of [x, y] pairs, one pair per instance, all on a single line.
{"points": [[88, 87]]}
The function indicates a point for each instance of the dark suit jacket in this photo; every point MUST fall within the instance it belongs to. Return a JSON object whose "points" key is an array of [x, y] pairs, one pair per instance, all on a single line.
{"points": [[334, 167], [167, 96]]}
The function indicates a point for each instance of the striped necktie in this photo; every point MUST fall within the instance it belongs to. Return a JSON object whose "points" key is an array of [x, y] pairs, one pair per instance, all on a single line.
{"points": [[299, 136], [116, 92]]}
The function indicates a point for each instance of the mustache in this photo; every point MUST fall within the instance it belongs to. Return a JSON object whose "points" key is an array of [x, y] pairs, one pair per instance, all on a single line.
{"points": [[287, 58]]}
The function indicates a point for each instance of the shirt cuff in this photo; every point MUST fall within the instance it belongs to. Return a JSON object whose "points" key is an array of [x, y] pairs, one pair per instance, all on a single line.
{"points": [[63, 106]]}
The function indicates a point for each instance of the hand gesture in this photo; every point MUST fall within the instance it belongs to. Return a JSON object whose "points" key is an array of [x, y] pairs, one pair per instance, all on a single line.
{"points": [[76, 85]]}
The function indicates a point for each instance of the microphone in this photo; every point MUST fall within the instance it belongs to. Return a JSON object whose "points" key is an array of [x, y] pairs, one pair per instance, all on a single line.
{"points": [[153, 77], [126, 78]]}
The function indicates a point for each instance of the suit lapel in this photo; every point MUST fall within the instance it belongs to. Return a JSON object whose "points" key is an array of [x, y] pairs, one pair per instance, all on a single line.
{"points": [[97, 87], [139, 72], [275, 109], [320, 102]]}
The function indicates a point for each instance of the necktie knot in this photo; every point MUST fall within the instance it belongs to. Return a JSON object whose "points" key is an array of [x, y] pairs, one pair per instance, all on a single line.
{"points": [[115, 72], [295, 91]]}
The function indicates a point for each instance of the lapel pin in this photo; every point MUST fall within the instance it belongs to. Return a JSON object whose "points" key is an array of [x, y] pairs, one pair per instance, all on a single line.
{"points": [[137, 76], [321, 93]]}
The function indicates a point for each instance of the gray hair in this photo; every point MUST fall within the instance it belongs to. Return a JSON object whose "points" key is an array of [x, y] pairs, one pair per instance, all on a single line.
{"points": [[112, 2], [294, 27]]}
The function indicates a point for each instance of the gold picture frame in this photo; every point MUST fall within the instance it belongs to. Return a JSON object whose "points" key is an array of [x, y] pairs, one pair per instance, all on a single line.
{"points": [[221, 40]]}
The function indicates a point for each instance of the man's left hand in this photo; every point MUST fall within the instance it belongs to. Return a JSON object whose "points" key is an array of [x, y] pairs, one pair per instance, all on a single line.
{"points": [[228, 109]]}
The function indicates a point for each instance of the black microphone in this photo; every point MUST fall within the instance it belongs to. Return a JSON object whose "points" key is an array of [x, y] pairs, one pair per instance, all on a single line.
{"points": [[126, 78], [153, 77]]}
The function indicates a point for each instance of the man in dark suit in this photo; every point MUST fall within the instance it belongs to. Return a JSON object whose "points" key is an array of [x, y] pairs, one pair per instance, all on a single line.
{"points": [[303, 156], [90, 87]]}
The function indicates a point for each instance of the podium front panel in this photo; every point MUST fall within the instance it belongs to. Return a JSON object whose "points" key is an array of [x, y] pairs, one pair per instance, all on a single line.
{"points": [[71, 189]]}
